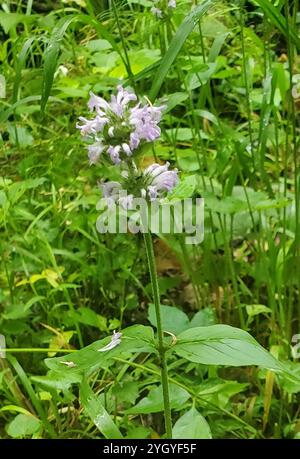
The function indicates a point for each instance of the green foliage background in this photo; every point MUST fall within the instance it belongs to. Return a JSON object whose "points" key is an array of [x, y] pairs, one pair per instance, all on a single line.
{"points": [[228, 74]]}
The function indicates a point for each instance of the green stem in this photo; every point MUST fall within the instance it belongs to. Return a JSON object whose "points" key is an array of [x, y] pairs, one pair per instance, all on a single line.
{"points": [[161, 348], [126, 59], [247, 89]]}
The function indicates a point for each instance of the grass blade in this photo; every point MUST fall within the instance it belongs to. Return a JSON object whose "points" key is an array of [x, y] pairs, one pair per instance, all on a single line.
{"points": [[20, 65], [97, 412], [51, 57], [279, 21], [176, 44], [34, 399]]}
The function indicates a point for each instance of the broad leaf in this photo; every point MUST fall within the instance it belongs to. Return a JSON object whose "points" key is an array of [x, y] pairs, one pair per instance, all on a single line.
{"points": [[153, 403], [191, 425], [137, 338], [203, 318], [173, 319], [219, 392], [223, 345], [23, 425]]}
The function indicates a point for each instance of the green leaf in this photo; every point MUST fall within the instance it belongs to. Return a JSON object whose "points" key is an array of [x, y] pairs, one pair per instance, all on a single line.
{"points": [[166, 283], [20, 64], [5, 114], [188, 160], [18, 409], [17, 189], [53, 381], [185, 188], [223, 345], [173, 319], [89, 317], [201, 77], [290, 380], [51, 57], [154, 403], [180, 134], [255, 309], [139, 60], [126, 391], [212, 28], [19, 135], [191, 425], [227, 205], [207, 115], [10, 20], [203, 318], [23, 426], [138, 432], [97, 412], [219, 392], [175, 99], [137, 338], [15, 311], [98, 45]]}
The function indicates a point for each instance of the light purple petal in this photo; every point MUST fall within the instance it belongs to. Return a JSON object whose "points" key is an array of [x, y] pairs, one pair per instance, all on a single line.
{"points": [[161, 179], [111, 131], [134, 140], [96, 103], [114, 154], [156, 11], [110, 189], [94, 152], [172, 4], [126, 149]]}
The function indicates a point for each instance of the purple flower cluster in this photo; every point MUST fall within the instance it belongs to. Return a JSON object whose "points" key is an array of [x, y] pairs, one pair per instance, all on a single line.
{"points": [[159, 180], [119, 126], [155, 182]]}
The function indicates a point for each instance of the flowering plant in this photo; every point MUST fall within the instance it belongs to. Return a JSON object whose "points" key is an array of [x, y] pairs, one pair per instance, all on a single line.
{"points": [[119, 129]]}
